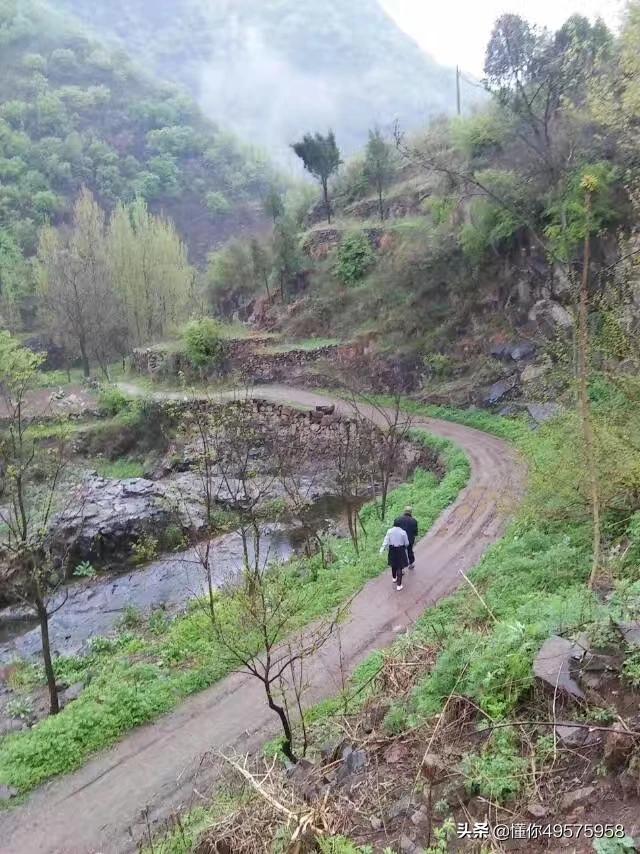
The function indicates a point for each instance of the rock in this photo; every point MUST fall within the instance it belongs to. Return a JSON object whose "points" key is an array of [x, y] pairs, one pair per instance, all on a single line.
{"points": [[433, 767], [419, 817], [375, 716], [407, 845], [630, 633], [9, 725], [576, 798], [333, 750], [402, 807], [598, 662], [552, 666], [396, 753], [536, 811], [72, 693], [618, 747], [550, 317], [571, 735], [353, 762], [356, 761], [375, 822], [498, 391], [326, 409], [7, 792], [541, 412], [509, 410], [523, 350], [533, 372]]}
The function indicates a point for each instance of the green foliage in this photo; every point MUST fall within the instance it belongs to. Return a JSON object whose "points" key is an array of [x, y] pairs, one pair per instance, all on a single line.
{"points": [[609, 845], [85, 569], [185, 657], [74, 114], [355, 257], [218, 203], [479, 135], [145, 549], [112, 401], [120, 469], [204, 346], [342, 845], [498, 772]]}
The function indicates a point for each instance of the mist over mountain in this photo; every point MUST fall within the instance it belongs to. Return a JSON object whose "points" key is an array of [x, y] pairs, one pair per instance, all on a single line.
{"points": [[272, 69]]}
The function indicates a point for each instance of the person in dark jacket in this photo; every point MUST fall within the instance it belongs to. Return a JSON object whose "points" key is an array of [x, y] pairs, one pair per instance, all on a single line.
{"points": [[410, 526]]}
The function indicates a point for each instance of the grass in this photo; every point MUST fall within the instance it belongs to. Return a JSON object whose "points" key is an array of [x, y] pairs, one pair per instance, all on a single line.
{"points": [[142, 674], [75, 376], [118, 469]]}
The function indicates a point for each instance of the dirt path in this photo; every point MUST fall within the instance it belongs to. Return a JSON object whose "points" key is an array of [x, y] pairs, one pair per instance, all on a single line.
{"points": [[155, 769]]}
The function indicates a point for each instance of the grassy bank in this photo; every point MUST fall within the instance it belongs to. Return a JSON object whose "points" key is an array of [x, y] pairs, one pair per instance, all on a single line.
{"points": [[153, 664]]}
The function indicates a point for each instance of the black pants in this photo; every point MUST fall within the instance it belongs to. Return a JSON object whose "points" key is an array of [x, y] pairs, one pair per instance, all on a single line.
{"points": [[410, 554], [398, 561]]}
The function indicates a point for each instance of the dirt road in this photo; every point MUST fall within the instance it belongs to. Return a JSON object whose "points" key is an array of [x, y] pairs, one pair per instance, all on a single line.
{"points": [[157, 768]]}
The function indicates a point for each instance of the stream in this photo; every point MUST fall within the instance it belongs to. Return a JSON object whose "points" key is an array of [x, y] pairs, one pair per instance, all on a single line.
{"points": [[95, 608]]}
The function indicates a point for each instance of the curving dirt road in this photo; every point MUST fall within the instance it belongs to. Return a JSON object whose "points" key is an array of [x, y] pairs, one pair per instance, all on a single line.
{"points": [[104, 806]]}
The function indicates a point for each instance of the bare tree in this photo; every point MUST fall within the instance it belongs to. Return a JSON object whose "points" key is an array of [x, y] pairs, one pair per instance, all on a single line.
{"points": [[389, 430], [264, 639], [29, 490]]}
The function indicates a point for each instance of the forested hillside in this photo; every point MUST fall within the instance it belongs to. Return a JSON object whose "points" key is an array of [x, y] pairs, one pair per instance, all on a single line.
{"points": [[73, 113], [275, 67]]}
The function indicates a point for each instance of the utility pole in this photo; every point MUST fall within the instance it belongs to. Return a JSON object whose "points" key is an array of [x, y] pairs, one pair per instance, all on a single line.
{"points": [[458, 89]]}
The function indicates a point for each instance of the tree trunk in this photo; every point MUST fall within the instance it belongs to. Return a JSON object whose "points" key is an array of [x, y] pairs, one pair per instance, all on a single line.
{"points": [[380, 204], [86, 368], [287, 744], [583, 395], [43, 617], [327, 206]]}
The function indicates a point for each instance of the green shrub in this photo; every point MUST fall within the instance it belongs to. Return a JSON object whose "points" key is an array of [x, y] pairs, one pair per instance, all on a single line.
{"points": [[204, 345], [355, 257], [498, 772], [112, 401]]}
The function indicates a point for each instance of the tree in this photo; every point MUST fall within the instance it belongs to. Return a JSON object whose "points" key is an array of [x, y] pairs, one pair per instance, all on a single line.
{"points": [[379, 165], [149, 270], [286, 253], [75, 283], [273, 204], [261, 264], [28, 571], [321, 157]]}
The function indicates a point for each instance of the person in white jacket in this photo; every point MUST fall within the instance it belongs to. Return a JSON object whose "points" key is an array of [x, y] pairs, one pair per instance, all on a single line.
{"points": [[396, 542]]}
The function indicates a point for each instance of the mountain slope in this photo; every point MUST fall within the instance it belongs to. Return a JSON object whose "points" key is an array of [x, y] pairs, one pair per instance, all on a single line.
{"points": [[73, 113], [276, 68]]}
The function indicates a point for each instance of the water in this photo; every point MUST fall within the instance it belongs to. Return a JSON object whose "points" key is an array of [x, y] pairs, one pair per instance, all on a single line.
{"points": [[95, 608]]}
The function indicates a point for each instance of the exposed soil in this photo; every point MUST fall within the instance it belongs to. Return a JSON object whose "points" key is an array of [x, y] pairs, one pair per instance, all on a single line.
{"points": [[103, 806], [45, 402]]}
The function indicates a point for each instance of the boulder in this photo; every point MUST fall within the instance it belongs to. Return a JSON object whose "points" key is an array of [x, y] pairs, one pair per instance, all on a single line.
{"points": [[551, 318], [532, 372], [7, 792], [618, 747], [523, 350], [571, 735], [541, 412], [500, 390], [576, 798], [552, 666]]}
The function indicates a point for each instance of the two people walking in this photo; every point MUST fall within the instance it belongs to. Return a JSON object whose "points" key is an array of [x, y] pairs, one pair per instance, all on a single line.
{"points": [[399, 541]]}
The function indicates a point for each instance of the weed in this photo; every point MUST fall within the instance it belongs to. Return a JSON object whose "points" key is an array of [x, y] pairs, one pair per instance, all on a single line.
{"points": [[498, 772], [85, 569], [19, 707], [145, 549], [131, 618]]}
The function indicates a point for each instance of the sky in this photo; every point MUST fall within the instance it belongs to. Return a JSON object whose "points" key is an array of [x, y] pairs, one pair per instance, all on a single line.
{"points": [[456, 32]]}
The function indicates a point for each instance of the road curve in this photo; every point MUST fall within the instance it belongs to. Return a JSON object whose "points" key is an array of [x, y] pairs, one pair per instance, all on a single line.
{"points": [[162, 766]]}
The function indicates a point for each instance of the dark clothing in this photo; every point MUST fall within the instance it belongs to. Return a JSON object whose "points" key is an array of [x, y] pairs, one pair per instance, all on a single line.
{"points": [[398, 560], [410, 526]]}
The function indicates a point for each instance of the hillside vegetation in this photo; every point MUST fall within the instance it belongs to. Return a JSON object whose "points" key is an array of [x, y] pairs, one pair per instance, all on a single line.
{"points": [[277, 67], [74, 112]]}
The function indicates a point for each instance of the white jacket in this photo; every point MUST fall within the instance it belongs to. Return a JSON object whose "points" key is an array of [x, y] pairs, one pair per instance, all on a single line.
{"points": [[394, 537]]}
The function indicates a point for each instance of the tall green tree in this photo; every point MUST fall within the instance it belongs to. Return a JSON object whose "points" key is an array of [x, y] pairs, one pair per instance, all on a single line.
{"points": [[75, 283], [149, 270], [321, 158], [379, 165]]}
